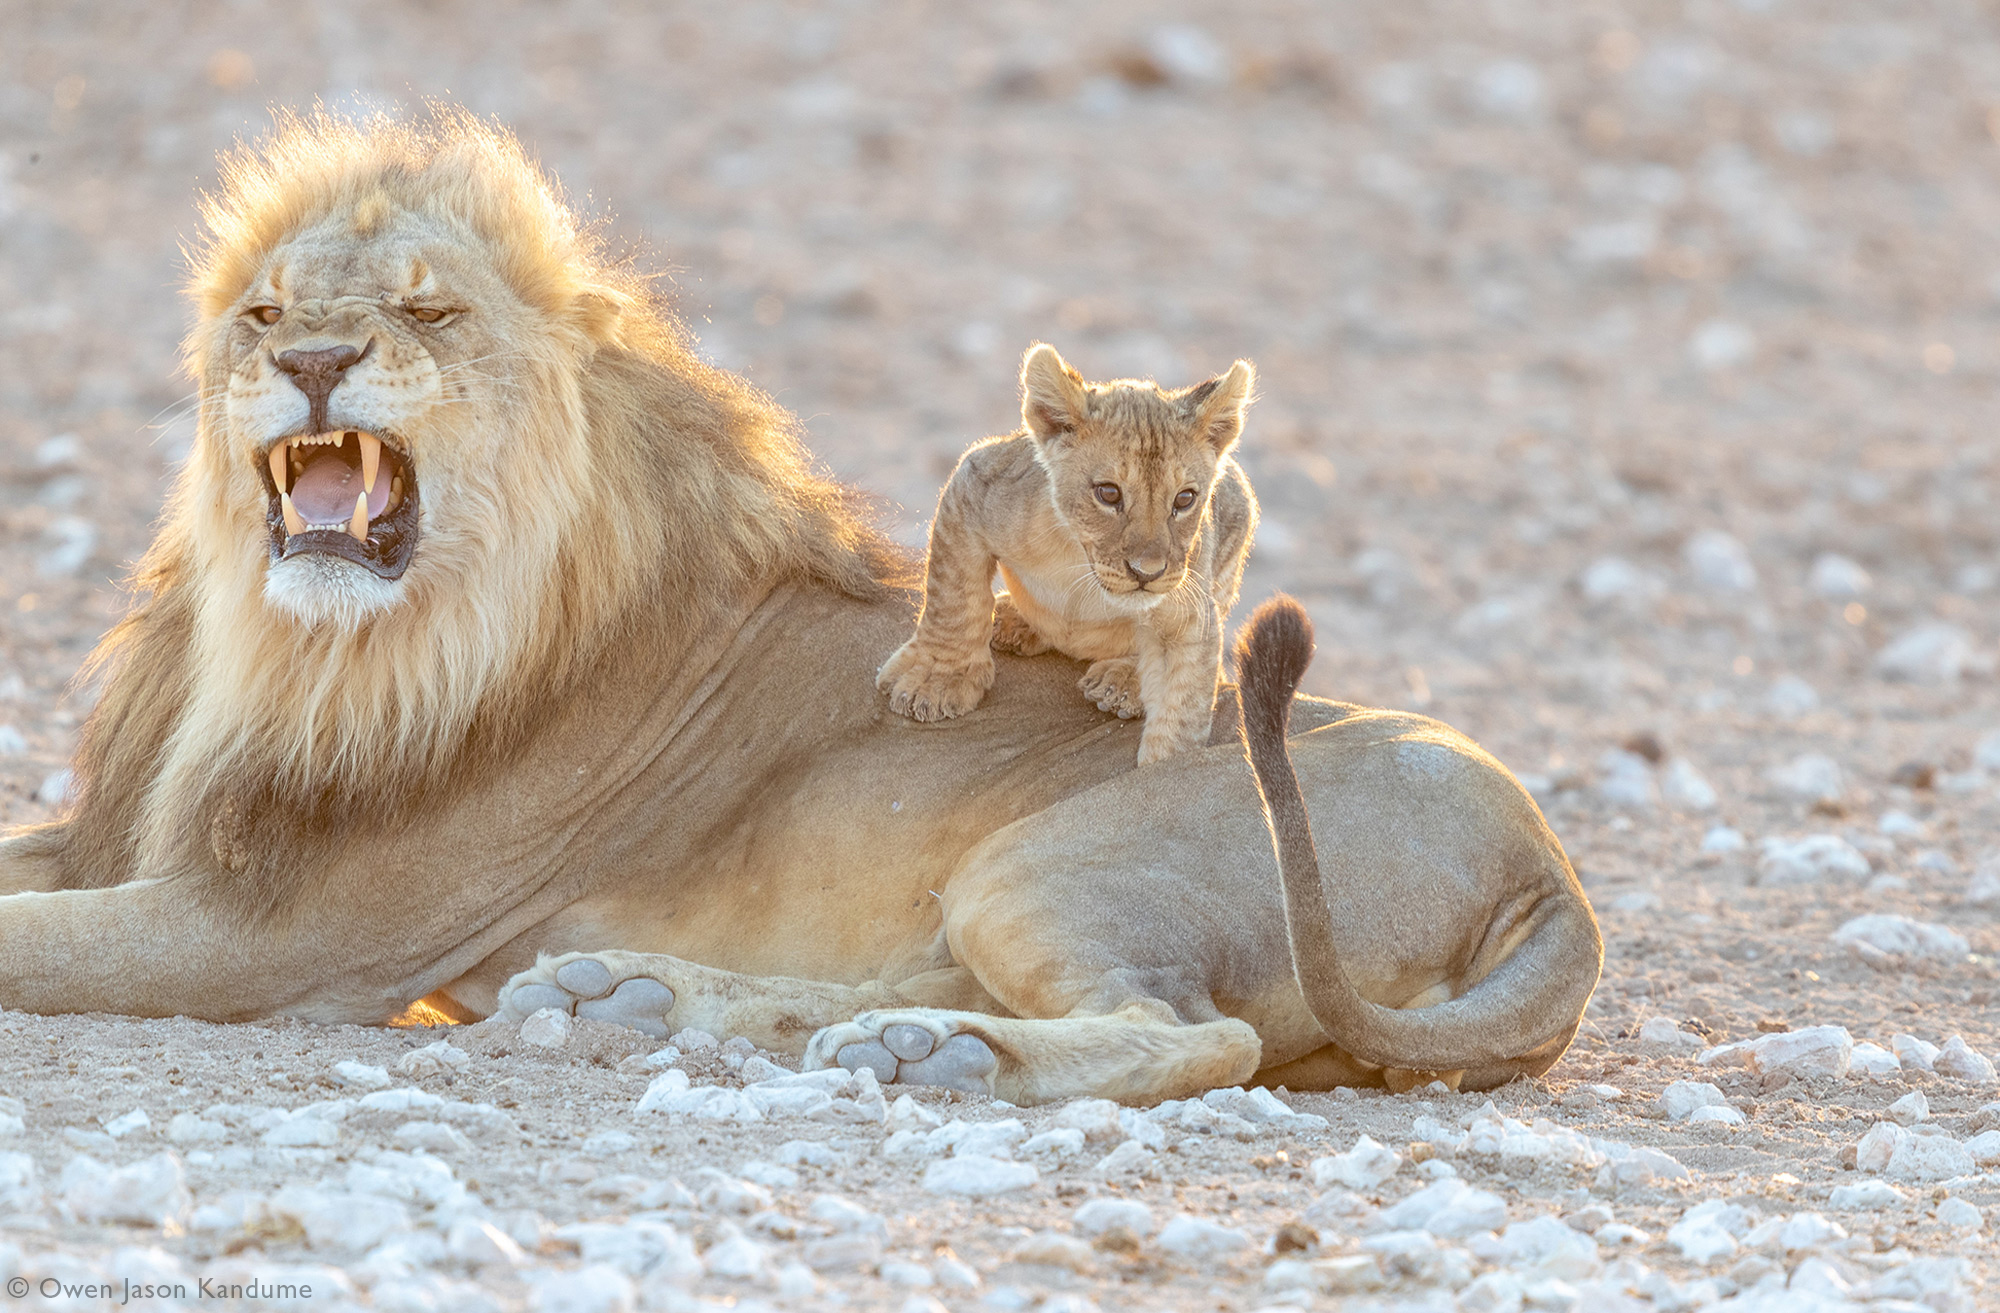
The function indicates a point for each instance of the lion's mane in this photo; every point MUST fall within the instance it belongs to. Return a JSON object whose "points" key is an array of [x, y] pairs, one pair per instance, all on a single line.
{"points": [[230, 740]]}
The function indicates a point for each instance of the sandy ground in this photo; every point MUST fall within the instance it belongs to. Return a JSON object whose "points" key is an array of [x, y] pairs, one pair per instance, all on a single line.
{"points": [[1627, 387]]}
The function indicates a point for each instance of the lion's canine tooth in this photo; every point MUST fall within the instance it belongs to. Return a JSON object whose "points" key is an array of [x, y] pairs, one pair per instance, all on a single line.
{"points": [[371, 458], [294, 522], [358, 526], [278, 465]]}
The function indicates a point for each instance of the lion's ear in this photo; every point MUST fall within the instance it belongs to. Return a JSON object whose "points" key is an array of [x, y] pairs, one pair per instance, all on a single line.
{"points": [[1052, 394], [598, 312], [1218, 404]]}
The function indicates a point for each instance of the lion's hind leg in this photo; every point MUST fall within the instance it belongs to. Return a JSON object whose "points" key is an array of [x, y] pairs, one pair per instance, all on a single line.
{"points": [[1140, 1053], [659, 995]]}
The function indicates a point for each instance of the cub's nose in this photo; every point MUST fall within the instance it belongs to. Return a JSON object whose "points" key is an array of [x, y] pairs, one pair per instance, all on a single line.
{"points": [[316, 373], [1147, 569]]}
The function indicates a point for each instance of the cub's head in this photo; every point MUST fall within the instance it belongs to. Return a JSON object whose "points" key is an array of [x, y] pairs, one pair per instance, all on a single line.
{"points": [[1131, 466], [392, 325]]}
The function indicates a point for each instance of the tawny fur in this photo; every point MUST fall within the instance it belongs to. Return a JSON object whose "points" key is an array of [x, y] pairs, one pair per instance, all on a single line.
{"points": [[1119, 523]]}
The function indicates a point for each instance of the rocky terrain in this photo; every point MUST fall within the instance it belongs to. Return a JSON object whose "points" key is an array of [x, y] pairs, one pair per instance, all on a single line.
{"points": [[1627, 383]]}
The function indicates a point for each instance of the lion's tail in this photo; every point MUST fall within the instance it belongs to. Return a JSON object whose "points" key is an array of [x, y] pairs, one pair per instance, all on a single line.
{"points": [[1520, 1009]]}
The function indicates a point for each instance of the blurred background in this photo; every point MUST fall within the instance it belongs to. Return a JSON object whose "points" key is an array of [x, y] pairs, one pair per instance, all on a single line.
{"points": [[1627, 368]]}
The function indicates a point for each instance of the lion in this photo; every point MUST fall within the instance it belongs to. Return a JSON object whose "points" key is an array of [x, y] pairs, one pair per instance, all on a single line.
{"points": [[1119, 523], [589, 725]]}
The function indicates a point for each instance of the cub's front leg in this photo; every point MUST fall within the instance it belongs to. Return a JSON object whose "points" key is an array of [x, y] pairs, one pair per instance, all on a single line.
{"points": [[947, 666], [1180, 661], [1013, 633]]}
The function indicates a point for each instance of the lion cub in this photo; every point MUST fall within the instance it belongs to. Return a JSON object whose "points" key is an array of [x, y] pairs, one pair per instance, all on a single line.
{"points": [[1119, 524]]}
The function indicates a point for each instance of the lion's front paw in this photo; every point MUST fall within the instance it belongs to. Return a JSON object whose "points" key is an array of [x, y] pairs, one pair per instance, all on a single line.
{"points": [[913, 1046], [594, 987], [1113, 684], [1012, 633], [925, 685]]}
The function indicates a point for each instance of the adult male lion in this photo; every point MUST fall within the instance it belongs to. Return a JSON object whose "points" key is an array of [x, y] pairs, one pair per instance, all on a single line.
{"points": [[486, 622]]}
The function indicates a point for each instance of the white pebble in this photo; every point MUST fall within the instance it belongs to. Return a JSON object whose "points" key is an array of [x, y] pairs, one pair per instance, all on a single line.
{"points": [[151, 1192], [1931, 653], [1915, 1054], [1717, 560], [1199, 1239], [1098, 1119], [1957, 1060], [1809, 775], [689, 1040], [1866, 1196], [1813, 1051], [1723, 839], [1716, 1115], [439, 1059], [1362, 1167], [594, 1289], [481, 1244], [188, 1128], [1130, 1159], [431, 1137], [1910, 1109], [1837, 576], [736, 1256], [978, 1177], [1873, 1060], [1685, 788], [1929, 1158], [1708, 1232], [1062, 1142], [1790, 697], [1886, 938], [1809, 860], [1985, 1148], [1101, 1215], [127, 1124], [548, 1028], [1680, 1099], [1959, 1215]]}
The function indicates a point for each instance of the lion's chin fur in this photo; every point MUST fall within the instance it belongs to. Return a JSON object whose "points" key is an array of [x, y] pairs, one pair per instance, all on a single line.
{"points": [[325, 592]]}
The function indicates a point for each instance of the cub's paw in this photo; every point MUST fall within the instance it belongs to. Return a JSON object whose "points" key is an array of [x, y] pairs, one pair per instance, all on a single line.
{"points": [[594, 987], [1113, 684], [1013, 634], [913, 1046], [931, 686]]}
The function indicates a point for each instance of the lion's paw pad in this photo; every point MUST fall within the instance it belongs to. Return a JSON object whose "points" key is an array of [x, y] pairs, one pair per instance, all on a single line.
{"points": [[961, 1062], [530, 999], [584, 987], [585, 978], [641, 1004]]}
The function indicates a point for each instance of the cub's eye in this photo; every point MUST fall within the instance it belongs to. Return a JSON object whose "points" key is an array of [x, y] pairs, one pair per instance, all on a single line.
{"points": [[426, 314], [1183, 499], [1108, 493], [265, 314]]}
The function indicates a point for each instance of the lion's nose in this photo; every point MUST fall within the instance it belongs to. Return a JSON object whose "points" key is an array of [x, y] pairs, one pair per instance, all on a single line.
{"points": [[1148, 569], [316, 373]]}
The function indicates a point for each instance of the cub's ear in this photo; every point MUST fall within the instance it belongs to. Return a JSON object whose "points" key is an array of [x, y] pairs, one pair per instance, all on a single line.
{"points": [[1052, 395], [1217, 406]]}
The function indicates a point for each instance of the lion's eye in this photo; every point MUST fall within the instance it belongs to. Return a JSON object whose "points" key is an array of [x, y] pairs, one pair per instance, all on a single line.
{"points": [[426, 314], [1183, 499], [1108, 493], [265, 314]]}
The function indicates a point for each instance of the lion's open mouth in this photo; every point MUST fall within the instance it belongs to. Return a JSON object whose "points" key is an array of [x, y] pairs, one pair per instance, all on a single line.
{"points": [[348, 493]]}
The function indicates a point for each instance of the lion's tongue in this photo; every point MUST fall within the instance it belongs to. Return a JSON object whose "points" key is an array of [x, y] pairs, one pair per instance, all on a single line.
{"points": [[325, 490]]}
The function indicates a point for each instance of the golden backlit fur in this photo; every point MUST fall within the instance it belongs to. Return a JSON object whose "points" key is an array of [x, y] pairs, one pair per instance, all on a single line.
{"points": [[577, 459]]}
